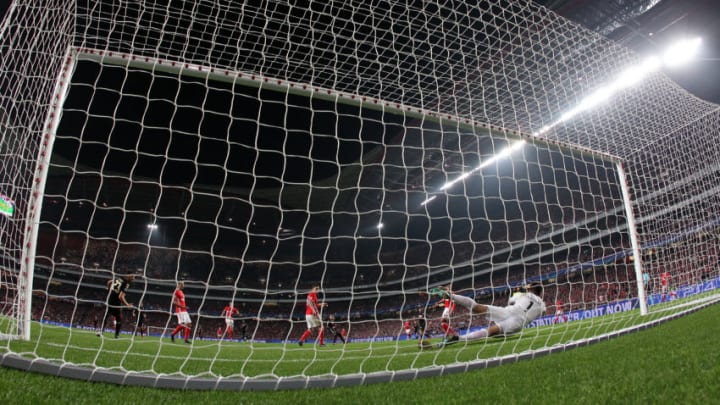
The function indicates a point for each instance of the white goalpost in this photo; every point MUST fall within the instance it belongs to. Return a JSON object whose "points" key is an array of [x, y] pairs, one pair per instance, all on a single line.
{"points": [[377, 150]]}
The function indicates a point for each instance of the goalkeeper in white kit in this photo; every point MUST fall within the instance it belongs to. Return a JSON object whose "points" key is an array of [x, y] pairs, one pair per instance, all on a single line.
{"points": [[523, 308]]}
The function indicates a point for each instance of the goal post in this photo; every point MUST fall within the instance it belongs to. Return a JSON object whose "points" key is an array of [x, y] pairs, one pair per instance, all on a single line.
{"points": [[636, 250], [31, 84], [378, 151]]}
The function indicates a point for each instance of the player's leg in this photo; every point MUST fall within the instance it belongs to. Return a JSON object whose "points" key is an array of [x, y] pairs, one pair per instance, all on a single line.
{"points": [[321, 336], [304, 336], [99, 331], [312, 324], [493, 330], [188, 326], [466, 302], [447, 329], [177, 330], [118, 322], [229, 326], [181, 325]]}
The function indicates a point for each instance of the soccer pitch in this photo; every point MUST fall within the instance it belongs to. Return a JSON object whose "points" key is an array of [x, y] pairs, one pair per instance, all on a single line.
{"points": [[155, 356]]}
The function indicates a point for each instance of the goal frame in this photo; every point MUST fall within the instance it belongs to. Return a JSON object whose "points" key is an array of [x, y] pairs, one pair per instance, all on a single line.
{"points": [[34, 206], [52, 121], [75, 54]]}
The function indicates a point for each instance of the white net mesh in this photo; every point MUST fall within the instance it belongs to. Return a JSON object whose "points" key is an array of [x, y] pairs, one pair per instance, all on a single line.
{"points": [[376, 149]]}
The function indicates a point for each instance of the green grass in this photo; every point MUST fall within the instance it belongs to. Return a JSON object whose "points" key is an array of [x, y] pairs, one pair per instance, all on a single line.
{"points": [[676, 362], [237, 360]]}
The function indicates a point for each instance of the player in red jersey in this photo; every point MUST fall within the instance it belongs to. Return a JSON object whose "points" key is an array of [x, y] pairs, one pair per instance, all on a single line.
{"points": [[229, 313], [184, 322], [665, 281], [664, 285], [312, 317], [408, 329], [559, 312]]}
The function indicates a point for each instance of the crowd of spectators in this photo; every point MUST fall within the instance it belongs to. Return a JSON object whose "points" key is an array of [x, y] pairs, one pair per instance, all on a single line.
{"points": [[71, 273]]}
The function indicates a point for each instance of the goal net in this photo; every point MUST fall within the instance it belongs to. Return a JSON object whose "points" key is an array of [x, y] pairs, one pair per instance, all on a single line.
{"points": [[380, 151]]}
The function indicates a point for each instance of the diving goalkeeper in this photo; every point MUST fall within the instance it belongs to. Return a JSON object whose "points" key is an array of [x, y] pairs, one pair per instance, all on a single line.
{"points": [[522, 309]]}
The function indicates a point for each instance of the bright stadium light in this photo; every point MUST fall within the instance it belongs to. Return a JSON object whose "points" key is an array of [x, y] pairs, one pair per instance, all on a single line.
{"points": [[504, 153], [152, 227], [681, 52], [678, 54], [635, 74], [459, 179], [427, 200]]}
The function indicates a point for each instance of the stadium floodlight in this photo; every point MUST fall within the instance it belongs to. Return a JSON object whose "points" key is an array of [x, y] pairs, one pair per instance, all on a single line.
{"points": [[503, 154], [635, 74], [681, 52], [427, 200], [457, 180], [678, 54], [152, 227]]}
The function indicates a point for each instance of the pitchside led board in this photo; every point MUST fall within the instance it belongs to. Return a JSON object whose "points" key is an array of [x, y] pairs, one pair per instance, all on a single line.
{"points": [[7, 207]]}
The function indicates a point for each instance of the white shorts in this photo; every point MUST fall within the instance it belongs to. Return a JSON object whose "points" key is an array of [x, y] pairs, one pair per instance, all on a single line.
{"points": [[229, 323], [183, 317], [312, 321], [446, 313], [510, 319], [408, 331]]}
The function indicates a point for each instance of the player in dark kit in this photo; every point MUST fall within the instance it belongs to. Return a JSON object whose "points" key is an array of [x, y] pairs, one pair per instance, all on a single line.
{"points": [[420, 327], [115, 301], [331, 328]]}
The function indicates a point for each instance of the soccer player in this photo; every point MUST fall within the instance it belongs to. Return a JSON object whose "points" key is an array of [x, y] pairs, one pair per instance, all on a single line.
{"points": [[665, 285], [228, 313], [448, 307], [183, 318], [408, 329], [448, 311], [243, 330], [448, 330], [420, 327], [330, 327], [115, 301], [312, 317], [560, 312], [521, 310]]}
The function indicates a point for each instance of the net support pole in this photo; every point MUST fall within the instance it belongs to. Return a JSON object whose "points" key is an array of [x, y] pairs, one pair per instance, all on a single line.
{"points": [[48, 132], [637, 256]]}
